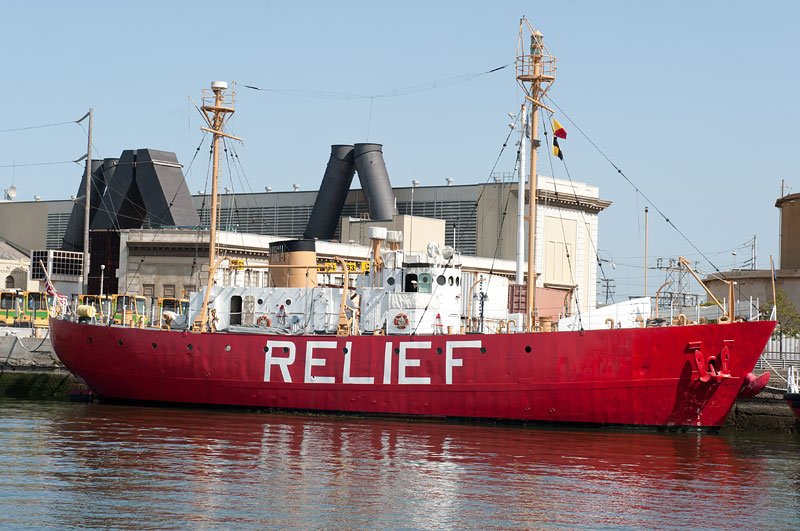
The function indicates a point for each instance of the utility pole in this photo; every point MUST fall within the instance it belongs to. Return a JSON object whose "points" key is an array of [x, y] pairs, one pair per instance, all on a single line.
{"points": [[87, 202], [608, 285], [645, 251]]}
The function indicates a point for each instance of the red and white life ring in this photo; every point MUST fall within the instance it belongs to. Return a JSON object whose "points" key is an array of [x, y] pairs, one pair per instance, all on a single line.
{"points": [[264, 321], [401, 321]]}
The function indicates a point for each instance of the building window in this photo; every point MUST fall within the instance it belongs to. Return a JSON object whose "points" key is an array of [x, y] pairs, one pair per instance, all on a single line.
{"points": [[148, 290], [10, 282], [169, 290]]}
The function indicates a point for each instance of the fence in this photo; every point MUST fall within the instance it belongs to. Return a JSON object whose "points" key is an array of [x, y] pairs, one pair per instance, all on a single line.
{"points": [[780, 353]]}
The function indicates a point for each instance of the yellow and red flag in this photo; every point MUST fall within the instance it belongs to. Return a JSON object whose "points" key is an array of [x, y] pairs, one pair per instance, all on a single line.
{"points": [[559, 130]]}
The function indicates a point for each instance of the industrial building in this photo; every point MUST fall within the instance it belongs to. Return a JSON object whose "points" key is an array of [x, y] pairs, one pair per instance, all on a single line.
{"points": [[477, 220]]}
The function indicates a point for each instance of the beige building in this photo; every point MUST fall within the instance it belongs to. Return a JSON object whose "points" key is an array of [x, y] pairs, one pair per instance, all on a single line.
{"points": [[758, 283], [14, 263]]}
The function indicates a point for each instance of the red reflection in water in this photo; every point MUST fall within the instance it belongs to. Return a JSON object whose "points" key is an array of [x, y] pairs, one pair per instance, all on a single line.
{"points": [[208, 467]]}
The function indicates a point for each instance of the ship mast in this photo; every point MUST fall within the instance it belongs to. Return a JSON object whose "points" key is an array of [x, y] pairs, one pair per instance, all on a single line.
{"points": [[217, 108], [536, 71]]}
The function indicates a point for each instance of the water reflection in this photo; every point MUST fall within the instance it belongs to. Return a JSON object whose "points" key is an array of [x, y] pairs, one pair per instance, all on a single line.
{"points": [[114, 466]]}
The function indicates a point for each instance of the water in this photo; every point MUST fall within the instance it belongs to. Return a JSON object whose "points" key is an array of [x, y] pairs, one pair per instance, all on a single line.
{"points": [[99, 466]]}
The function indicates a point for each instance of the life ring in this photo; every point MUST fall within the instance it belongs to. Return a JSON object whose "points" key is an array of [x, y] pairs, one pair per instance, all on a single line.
{"points": [[264, 321], [401, 321]]}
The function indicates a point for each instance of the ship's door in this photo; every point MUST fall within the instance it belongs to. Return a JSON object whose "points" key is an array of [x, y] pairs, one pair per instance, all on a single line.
{"points": [[236, 310]]}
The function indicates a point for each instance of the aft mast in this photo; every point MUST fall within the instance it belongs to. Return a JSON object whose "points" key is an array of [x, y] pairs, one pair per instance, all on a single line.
{"points": [[217, 108], [536, 72]]}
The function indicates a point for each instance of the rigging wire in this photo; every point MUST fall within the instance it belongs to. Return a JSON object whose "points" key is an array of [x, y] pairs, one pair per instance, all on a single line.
{"points": [[563, 230], [636, 188], [402, 91]]}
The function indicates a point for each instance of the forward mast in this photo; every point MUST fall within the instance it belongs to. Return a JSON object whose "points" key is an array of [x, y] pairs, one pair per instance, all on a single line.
{"points": [[218, 106]]}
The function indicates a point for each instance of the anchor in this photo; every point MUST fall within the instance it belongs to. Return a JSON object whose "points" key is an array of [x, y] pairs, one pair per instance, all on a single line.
{"points": [[711, 367]]}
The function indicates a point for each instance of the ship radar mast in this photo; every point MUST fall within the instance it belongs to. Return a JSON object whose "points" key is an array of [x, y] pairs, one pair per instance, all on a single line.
{"points": [[536, 72], [218, 106]]}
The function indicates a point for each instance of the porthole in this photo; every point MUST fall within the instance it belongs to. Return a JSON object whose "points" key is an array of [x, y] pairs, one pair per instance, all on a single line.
{"points": [[397, 350], [119, 342], [483, 350], [285, 350], [89, 340], [227, 348], [260, 301], [528, 349], [450, 281], [345, 350], [390, 281], [425, 278], [458, 281], [190, 346], [441, 280], [439, 350], [266, 348], [288, 302], [154, 345]]}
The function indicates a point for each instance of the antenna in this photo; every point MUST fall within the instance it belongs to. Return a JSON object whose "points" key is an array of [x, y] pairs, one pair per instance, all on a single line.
{"points": [[11, 192]]}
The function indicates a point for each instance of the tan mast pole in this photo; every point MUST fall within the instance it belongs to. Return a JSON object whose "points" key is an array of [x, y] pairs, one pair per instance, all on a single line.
{"points": [[536, 71]]}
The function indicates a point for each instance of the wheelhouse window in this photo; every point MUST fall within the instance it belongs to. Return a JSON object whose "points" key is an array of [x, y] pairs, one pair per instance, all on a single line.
{"points": [[412, 284]]}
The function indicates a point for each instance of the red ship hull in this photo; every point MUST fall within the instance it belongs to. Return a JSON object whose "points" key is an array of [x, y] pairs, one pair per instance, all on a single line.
{"points": [[682, 376]]}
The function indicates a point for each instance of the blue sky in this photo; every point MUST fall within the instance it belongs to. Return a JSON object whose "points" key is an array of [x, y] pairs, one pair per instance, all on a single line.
{"points": [[695, 101]]}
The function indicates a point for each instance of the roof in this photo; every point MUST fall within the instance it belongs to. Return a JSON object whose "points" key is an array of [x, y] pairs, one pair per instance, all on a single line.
{"points": [[10, 252]]}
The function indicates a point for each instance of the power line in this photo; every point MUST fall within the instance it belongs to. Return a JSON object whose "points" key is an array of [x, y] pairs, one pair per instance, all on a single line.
{"points": [[35, 127], [36, 164]]}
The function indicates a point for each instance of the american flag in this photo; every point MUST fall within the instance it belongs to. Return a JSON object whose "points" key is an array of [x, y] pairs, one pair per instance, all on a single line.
{"points": [[53, 292]]}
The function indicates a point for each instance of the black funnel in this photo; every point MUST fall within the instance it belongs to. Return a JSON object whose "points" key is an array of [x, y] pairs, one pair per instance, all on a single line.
{"points": [[375, 181], [332, 194]]}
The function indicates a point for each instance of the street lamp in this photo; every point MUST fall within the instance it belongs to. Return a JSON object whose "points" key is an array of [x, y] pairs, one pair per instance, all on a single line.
{"points": [[102, 275]]}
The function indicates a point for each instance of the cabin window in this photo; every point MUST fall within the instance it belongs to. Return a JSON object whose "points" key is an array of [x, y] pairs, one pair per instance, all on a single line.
{"points": [[10, 282], [390, 281], [236, 310], [35, 301], [412, 284], [425, 283], [7, 301], [441, 280]]}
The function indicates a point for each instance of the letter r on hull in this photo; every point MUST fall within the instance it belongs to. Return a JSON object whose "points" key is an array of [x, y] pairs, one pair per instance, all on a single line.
{"points": [[283, 363]]}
